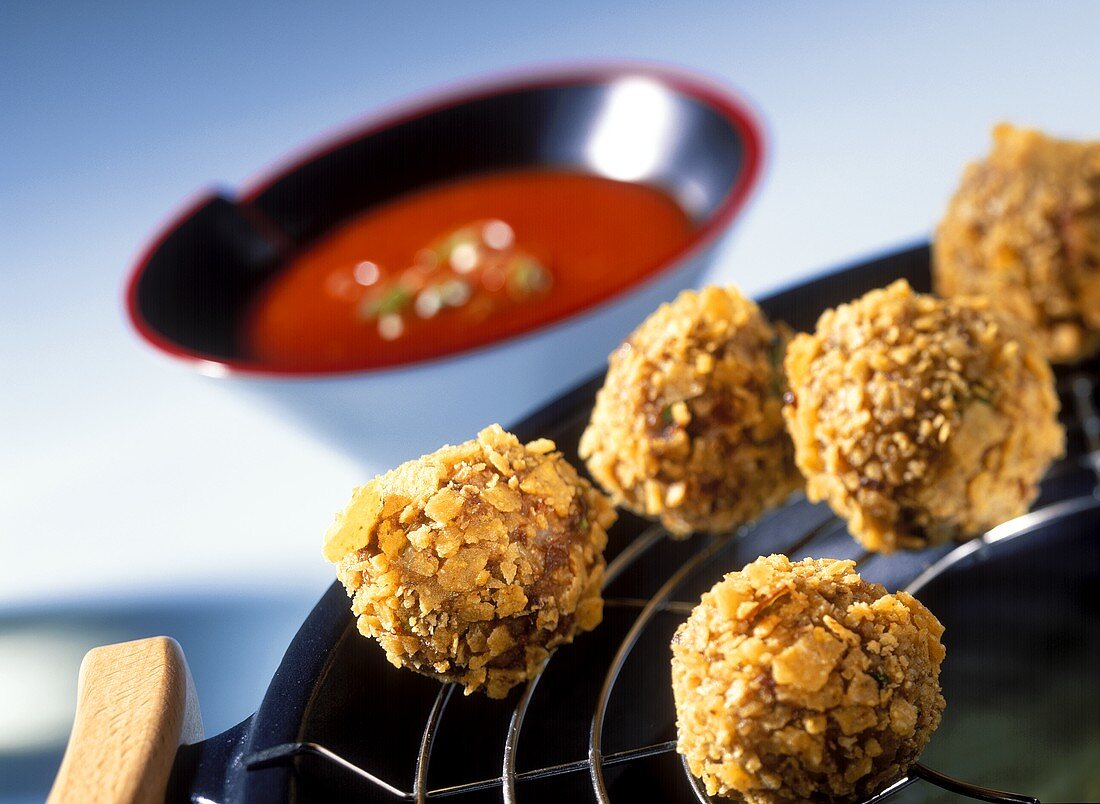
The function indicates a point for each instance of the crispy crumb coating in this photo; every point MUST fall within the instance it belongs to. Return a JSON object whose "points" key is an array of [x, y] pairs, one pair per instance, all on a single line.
{"points": [[473, 563], [1024, 230], [688, 425], [803, 682], [918, 419]]}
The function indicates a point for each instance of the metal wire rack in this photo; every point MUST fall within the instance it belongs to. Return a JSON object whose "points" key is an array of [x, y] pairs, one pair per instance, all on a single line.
{"points": [[1082, 421]]}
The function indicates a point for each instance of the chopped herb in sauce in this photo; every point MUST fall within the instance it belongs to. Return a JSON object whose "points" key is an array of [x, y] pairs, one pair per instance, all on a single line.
{"points": [[394, 299], [467, 269]]}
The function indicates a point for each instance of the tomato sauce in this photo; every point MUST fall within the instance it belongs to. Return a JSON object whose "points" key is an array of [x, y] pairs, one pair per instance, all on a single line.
{"points": [[461, 265]]}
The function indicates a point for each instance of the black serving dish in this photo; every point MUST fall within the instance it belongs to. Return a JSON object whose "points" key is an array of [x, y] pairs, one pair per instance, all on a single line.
{"points": [[1023, 637], [660, 126], [192, 287]]}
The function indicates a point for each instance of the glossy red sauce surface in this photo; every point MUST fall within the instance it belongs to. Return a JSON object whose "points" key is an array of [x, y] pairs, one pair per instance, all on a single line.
{"points": [[461, 265]]}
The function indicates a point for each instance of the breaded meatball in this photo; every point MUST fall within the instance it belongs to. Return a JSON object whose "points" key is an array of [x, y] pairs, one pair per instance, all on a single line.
{"points": [[918, 419], [1024, 230], [471, 564], [803, 682], [688, 425]]}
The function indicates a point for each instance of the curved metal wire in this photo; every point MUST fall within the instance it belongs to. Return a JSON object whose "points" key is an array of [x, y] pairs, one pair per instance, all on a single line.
{"points": [[631, 553], [1019, 526], [511, 741], [278, 754], [697, 786], [890, 789], [953, 785], [431, 727], [595, 739]]}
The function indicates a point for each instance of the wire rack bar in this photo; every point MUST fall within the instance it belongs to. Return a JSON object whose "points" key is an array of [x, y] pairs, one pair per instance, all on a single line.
{"points": [[1019, 526], [576, 766], [431, 728], [696, 783], [511, 741], [891, 788], [278, 754], [953, 785], [681, 607], [629, 554], [595, 741]]}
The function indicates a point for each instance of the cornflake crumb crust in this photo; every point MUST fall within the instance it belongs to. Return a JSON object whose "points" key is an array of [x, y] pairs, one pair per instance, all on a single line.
{"points": [[688, 425], [801, 681], [471, 564], [918, 419], [1024, 230]]}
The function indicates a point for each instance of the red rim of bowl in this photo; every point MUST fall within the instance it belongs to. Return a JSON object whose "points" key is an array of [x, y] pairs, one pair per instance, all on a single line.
{"points": [[718, 97]]}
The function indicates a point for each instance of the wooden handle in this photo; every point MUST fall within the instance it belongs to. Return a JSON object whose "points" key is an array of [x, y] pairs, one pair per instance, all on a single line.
{"points": [[136, 705]]}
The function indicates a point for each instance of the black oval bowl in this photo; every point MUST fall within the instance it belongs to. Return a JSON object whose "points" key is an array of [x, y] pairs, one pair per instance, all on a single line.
{"points": [[188, 292]]}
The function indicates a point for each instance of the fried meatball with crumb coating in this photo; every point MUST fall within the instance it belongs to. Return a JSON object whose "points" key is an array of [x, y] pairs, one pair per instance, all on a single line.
{"points": [[800, 681], [473, 563], [918, 419], [688, 425], [1023, 229]]}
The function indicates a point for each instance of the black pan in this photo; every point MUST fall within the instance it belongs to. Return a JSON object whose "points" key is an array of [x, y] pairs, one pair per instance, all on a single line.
{"points": [[1023, 634]]}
